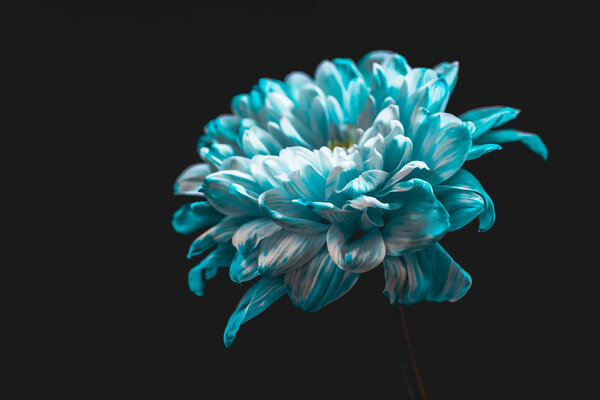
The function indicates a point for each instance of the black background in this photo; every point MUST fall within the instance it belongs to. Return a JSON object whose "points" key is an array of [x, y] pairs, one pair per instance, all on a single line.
{"points": [[110, 98]]}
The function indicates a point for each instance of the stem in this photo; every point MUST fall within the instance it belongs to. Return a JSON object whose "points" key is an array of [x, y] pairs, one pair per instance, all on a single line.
{"points": [[412, 354]]}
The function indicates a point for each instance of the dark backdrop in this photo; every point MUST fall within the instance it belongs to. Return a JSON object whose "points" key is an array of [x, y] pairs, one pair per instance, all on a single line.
{"points": [[114, 94]]}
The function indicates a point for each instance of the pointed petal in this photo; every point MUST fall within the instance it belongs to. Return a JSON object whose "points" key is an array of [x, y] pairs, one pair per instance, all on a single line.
{"points": [[486, 118], [395, 278], [358, 255], [318, 283], [194, 216], [477, 150], [256, 300], [244, 265], [278, 205], [220, 257], [364, 183], [284, 251], [220, 233], [530, 140], [189, 182]]}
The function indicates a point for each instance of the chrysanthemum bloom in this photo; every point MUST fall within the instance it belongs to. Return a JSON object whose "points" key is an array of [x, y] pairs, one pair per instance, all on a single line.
{"points": [[313, 181]]}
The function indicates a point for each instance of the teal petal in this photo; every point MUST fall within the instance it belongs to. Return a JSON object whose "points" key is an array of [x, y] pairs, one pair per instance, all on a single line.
{"points": [[355, 255], [244, 265], [329, 79], [278, 205], [256, 300], [249, 235], [339, 176], [194, 216], [449, 73], [366, 182], [318, 283], [220, 257], [429, 274], [216, 153], [405, 172], [486, 118], [232, 192], [397, 152], [306, 182], [256, 140], [219, 233], [464, 180], [477, 150], [463, 205], [530, 140], [421, 221], [189, 182], [285, 250], [442, 141]]}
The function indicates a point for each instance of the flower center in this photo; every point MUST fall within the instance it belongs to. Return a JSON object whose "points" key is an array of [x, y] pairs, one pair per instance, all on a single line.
{"points": [[347, 136], [346, 144]]}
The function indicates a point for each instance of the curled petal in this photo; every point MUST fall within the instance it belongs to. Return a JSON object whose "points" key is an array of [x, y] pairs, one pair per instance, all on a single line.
{"points": [[306, 182], [339, 176], [477, 150], [355, 255], [278, 205], [219, 233], [529, 140], [257, 299], [244, 265], [318, 283], [220, 257], [463, 205], [486, 118], [429, 274], [232, 192], [364, 183], [284, 251], [249, 235], [189, 182], [194, 216]]}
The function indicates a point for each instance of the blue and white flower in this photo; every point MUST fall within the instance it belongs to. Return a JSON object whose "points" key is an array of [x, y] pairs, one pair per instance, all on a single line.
{"points": [[312, 181]]}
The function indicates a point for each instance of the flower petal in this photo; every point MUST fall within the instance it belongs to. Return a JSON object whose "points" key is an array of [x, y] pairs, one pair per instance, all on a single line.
{"points": [[284, 251], [189, 182], [244, 265], [219, 233], [257, 299], [463, 205], [465, 180], [249, 235], [220, 257], [256, 140], [358, 255], [421, 221], [429, 274], [477, 150], [442, 141], [339, 176], [318, 283], [530, 140], [306, 182], [232, 192], [194, 216], [364, 183], [278, 205], [486, 118]]}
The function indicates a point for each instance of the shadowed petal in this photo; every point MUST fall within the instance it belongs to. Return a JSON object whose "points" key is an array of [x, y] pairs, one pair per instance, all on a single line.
{"points": [[529, 140], [318, 283], [429, 274], [278, 205], [189, 182], [219, 233], [220, 257], [194, 216], [477, 150], [232, 192], [284, 251], [463, 205], [244, 265], [256, 300], [249, 235], [358, 255], [486, 118]]}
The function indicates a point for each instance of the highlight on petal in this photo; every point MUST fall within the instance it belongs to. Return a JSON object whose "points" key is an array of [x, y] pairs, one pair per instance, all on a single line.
{"points": [[257, 299], [219, 233], [463, 205], [318, 283], [194, 216], [429, 274], [477, 150], [220, 257], [249, 235], [277, 205], [232, 192], [244, 265], [285, 250], [486, 118], [355, 251], [189, 182], [464, 180], [530, 140]]}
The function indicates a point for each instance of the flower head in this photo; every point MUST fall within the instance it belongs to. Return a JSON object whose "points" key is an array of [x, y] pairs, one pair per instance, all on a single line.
{"points": [[312, 181]]}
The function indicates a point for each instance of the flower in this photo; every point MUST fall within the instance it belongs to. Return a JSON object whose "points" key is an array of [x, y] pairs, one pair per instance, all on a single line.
{"points": [[312, 181]]}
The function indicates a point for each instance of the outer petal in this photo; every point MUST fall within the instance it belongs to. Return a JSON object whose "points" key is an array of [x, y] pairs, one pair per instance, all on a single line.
{"points": [[194, 216], [249, 235], [442, 141], [486, 118], [429, 274], [421, 221], [466, 181], [318, 283], [463, 205], [220, 233], [277, 205], [220, 257], [477, 150], [189, 182], [244, 265], [257, 299], [358, 255], [529, 140], [232, 192], [284, 251]]}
